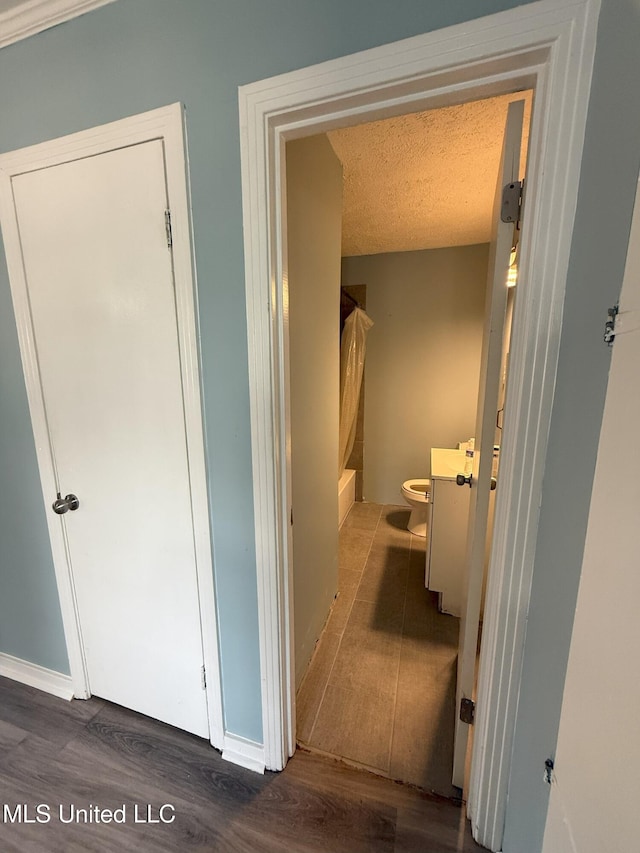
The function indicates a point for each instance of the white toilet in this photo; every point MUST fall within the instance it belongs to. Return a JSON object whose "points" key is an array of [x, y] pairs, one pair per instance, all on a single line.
{"points": [[417, 493]]}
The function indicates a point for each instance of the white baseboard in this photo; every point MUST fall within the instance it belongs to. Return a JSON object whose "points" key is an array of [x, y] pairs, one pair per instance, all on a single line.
{"points": [[52, 682], [236, 749], [245, 753]]}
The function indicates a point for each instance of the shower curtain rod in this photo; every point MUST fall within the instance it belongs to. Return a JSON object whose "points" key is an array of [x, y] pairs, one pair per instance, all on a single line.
{"points": [[350, 297]]}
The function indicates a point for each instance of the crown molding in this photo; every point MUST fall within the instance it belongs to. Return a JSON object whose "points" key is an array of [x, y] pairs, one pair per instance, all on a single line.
{"points": [[34, 16]]}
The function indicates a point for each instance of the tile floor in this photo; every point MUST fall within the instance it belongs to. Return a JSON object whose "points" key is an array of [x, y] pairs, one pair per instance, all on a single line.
{"points": [[380, 689]]}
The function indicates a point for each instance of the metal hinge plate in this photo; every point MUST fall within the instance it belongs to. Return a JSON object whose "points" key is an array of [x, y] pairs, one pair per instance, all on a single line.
{"points": [[548, 771], [511, 202], [167, 228], [610, 325], [467, 711], [203, 676]]}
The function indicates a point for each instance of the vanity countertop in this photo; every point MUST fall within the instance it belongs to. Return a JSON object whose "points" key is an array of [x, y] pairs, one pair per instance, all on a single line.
{"points": [[446, 463]]}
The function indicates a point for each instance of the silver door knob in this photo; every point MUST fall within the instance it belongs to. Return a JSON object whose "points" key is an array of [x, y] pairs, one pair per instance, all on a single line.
{"points": [[64, 504]]}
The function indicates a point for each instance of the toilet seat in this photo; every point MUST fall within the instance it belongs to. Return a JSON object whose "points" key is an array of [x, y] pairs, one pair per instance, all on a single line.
{"points": [[417, 490], [417, 493]]}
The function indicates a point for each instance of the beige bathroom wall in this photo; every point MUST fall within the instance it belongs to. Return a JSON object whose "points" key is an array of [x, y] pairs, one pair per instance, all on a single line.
{"points": [[314, 211], [423, 358]]}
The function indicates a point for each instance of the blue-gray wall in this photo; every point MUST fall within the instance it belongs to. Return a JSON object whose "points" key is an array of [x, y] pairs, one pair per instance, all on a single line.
{"points": [[135, 55]]}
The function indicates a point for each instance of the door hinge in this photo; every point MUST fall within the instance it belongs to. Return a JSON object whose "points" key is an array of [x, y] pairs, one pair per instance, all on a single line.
{"points": [[467, 711], [610, 325], [203, 676], [512, 202], [167, 227], [548, 771]]}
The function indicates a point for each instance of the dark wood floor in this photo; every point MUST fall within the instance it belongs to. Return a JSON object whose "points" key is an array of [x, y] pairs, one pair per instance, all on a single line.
{"points": [[93, 753]]}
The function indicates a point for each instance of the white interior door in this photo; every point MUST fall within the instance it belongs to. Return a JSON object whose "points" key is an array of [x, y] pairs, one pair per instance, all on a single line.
{"points": [[590, 808], [495, 311], [99, 276]]}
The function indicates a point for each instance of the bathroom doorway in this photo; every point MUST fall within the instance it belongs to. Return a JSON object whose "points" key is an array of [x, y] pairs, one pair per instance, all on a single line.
{"points": [[380, 688], [534, 46]]}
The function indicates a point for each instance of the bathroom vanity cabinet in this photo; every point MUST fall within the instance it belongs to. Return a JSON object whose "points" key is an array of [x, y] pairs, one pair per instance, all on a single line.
{"points": [[447, 532]]}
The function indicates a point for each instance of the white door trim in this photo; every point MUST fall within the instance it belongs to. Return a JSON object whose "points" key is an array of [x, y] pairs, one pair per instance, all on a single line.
{"points": [[167, 124], [548, 45]]}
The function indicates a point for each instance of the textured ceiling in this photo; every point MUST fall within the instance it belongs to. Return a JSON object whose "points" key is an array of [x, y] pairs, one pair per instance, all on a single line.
{"points": [[424, 180]]}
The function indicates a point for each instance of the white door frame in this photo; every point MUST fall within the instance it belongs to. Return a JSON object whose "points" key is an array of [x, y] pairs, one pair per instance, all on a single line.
{"points": [[166, 124], [548, 46]]}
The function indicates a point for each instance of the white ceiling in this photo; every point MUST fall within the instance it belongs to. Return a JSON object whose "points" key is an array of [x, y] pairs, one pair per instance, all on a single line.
{"points": [[424, 180], [6, 5], [20, 19]]}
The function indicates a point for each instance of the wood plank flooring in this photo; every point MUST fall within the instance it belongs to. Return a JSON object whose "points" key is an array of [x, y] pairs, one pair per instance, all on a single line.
{"points": [[380, 689], [56, 753]]}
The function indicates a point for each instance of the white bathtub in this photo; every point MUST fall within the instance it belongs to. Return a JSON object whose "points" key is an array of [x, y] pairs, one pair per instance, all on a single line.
{"points": [[346, 494]]}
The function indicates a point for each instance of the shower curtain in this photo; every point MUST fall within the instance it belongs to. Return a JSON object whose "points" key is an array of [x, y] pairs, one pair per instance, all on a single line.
{"points": [[352, 350]]}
